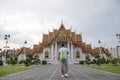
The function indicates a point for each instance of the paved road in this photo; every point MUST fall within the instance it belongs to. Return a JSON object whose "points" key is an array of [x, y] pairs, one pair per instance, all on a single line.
{"points": [[52, 72]]}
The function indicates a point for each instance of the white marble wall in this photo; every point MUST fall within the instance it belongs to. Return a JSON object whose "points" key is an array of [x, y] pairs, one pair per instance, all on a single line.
{"points": [[53, 50], [115, 52], [21, 57]]}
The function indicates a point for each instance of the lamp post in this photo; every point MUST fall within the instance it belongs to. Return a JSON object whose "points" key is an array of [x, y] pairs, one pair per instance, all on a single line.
{"points": [[117, 47], [118, 37], [100, 47], [24, 46], [25, 49], [6, 38]]}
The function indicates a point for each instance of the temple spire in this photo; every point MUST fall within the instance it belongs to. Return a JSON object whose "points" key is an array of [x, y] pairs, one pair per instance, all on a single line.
{"points": [[62, 21], [62, 26]]}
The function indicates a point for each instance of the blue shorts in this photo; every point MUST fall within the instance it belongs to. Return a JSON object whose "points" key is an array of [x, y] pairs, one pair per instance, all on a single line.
{"points": [[64, 63]]}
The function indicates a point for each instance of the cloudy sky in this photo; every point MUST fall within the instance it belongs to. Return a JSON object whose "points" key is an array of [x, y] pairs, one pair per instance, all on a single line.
{"points": [[29, 19]]}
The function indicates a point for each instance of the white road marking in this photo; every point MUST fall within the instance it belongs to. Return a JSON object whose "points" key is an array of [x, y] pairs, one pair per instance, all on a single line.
{"points": [[34, 73], [43, 73], [53, 74], [18, 73], [76, 78], [84, 74]]}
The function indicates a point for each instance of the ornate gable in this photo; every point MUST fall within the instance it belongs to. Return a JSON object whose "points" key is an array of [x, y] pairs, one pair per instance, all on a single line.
{"points": [[62, 35]]}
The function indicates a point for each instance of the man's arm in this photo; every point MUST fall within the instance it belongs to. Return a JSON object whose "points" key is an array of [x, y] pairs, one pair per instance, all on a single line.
{"points": [[67, 52], [58, 56]]}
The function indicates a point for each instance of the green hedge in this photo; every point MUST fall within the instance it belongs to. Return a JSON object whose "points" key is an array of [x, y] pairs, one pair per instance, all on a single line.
{"points": [[81, 62], [1, 62], [44, 62]]}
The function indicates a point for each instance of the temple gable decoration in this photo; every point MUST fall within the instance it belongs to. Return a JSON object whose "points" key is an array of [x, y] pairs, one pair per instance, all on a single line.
{"points": [[62, 35]]}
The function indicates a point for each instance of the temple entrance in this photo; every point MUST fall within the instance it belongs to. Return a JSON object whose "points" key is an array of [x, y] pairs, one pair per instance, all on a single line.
{"points": [[46, 55], [60, 43], [78, 54]]}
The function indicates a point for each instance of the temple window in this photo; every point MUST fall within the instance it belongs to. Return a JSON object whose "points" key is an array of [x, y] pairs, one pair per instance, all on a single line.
{"points": [[46, 55], [78, 54]]}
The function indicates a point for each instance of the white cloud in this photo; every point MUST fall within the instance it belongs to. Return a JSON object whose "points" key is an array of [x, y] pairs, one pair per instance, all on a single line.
{"points": [[28, 19]]}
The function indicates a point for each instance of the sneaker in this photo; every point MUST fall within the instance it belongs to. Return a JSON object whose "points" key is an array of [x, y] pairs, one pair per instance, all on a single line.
{"points": [[66, 75], [62, 76]]}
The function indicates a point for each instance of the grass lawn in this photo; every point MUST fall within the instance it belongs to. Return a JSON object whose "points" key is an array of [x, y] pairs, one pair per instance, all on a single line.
{"points": [[12, 69], [108, 67]]}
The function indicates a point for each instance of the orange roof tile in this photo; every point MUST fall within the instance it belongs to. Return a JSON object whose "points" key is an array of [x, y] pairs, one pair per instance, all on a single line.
{"points": [[88, 46], [73, 36], [83, 47], [45, 37], [79, 37]]}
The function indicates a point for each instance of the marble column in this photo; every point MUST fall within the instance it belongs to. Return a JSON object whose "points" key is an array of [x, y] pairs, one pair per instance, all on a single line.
{"points": [[68, 46], [71, 51], [52, 52], [55, 51]]}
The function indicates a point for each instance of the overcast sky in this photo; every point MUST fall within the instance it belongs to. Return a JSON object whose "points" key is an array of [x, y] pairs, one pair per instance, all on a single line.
{"points": [[29, 19]]}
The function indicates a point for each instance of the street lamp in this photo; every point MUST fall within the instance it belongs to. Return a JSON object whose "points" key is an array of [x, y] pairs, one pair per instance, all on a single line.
{"points": [[24, 50], [24, 46], [117, 47], [100, 46], [25, 42], [6, 38], [118, 37]]}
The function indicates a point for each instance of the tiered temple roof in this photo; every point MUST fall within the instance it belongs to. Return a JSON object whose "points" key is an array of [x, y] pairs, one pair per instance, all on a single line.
{"points": [[75, 38]]}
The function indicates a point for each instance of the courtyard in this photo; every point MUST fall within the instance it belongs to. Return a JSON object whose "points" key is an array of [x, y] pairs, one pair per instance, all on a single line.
{"points": [[52, 72]]}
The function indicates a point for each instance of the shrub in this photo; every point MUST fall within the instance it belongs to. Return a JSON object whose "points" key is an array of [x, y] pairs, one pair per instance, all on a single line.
{"points": [[119, 61], [88, 62], [98, 59], [13, 62], [81, 62], [37, 61], [26, 63], [97, 56], [94, 61], [114, 61], [1, 62], [44, 62], [102, 60], [21, 61], [98, 62], [107, 61], [87, 57], [8, 61], [91, 62]]}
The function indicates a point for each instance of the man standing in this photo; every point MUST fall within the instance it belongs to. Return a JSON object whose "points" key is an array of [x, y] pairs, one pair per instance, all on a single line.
{"points": [[63, 57]]}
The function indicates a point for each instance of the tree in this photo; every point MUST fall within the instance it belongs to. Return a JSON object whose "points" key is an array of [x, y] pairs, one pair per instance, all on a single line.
{"points": [[13, 62], [114, 61], [87, 57], [98, 59], [103, 60], [1, 62]]}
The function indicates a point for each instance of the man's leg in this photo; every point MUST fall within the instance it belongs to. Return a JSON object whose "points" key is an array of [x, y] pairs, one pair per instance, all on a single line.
{"points": [[62, 68], [66, 69]]}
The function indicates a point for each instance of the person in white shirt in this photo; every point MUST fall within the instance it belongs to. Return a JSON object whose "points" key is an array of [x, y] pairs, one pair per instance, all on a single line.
{"points": [[63, 53]]}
